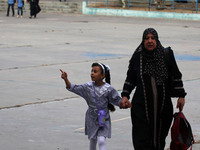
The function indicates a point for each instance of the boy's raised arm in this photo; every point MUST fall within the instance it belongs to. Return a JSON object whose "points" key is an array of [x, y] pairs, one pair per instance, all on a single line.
{"points": [[64, 77]]}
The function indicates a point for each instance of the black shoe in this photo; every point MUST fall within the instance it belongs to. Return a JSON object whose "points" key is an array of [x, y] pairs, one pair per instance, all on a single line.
{"points": [[30, 17]]}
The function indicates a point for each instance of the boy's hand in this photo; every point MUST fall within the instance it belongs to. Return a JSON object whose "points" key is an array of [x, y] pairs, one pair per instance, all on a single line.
{"points": [[63, 75]]}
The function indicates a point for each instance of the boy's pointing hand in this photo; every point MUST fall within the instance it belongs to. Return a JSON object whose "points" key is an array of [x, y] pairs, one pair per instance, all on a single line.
{"points": [[63, 75]]}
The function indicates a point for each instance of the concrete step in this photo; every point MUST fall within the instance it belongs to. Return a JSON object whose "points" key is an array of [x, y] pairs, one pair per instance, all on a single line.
{"points": [[49, 6]]}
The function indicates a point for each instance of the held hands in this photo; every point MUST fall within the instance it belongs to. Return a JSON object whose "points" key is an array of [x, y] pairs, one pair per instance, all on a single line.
{"points": [[180, 103], [125, 103]]}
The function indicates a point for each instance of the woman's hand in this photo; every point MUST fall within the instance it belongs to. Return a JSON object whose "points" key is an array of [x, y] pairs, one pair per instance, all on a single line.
{"points": [[180, 103], [125, 103]]}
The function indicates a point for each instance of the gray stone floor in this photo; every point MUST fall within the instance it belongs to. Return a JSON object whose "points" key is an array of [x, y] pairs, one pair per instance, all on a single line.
{"points": [[36, 111]]}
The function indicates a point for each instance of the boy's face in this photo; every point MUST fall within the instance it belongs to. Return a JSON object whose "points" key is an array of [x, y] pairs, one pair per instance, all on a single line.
{"points": [[96, 74]]}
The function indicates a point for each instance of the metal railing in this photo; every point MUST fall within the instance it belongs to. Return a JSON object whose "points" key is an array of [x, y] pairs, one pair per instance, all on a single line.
{"points": [[181, 6]]}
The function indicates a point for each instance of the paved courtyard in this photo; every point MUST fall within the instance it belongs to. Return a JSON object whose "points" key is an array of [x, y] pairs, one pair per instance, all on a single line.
{"points": [[38, 113]]}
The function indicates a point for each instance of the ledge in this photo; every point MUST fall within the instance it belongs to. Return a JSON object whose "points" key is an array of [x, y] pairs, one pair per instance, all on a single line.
{"points": [[133, 13]]}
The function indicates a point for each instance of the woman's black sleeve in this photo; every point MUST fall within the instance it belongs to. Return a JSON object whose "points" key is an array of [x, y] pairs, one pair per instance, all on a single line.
{"points": [[176, 77], [130, 81]]}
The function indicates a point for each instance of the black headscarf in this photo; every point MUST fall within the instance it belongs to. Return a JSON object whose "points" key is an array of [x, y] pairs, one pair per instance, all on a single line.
{"points": [[154, 62]]}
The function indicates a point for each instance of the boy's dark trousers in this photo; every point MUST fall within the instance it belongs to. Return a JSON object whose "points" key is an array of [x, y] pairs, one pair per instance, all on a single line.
{"points": [[20, 9], [13, 11]]}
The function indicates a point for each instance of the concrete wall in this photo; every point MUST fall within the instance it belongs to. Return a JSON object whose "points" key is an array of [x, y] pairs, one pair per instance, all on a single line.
{"points": [[49, 6], [134, 13]]}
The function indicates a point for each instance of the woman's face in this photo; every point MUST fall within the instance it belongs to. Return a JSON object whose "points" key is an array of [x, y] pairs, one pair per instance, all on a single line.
{"points": [[150, 42]]}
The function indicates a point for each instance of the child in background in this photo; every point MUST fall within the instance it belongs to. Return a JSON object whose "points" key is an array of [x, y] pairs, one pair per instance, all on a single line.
{"points": [[20, 4], [11, 4], [98, 95]]}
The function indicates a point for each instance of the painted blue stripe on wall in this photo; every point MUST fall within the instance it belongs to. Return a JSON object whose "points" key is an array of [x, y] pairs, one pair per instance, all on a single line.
{"points": [[128, 13]]}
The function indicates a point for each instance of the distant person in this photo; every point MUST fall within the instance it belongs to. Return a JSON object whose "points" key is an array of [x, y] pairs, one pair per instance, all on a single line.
{"points": [[154, 73], [98, 96], [11, 4], [159, 3], [20, 4], [34, 8]]}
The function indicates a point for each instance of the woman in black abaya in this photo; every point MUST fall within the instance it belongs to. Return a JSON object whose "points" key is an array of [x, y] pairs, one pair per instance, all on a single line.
{"points": [[34, 8], [152, 109]]}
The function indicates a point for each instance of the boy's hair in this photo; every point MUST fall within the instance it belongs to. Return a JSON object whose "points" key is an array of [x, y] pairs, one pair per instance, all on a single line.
{"points": [[105, 70]]}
